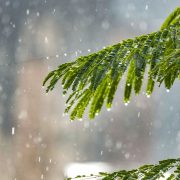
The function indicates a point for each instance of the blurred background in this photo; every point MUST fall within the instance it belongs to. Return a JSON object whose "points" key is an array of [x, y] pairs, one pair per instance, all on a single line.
{"points": [[37, 141]]}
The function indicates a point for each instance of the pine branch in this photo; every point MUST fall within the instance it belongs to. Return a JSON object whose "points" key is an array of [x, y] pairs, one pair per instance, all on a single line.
{"points": [[146, 172], [94, 78]]}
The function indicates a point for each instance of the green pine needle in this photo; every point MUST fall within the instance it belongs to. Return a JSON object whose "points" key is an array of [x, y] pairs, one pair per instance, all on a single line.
{"points": [[94, 78]]}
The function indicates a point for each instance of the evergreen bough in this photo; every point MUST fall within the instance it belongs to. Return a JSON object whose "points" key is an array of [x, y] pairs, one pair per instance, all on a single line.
{"points": [[146, 172], [94, 80]]}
